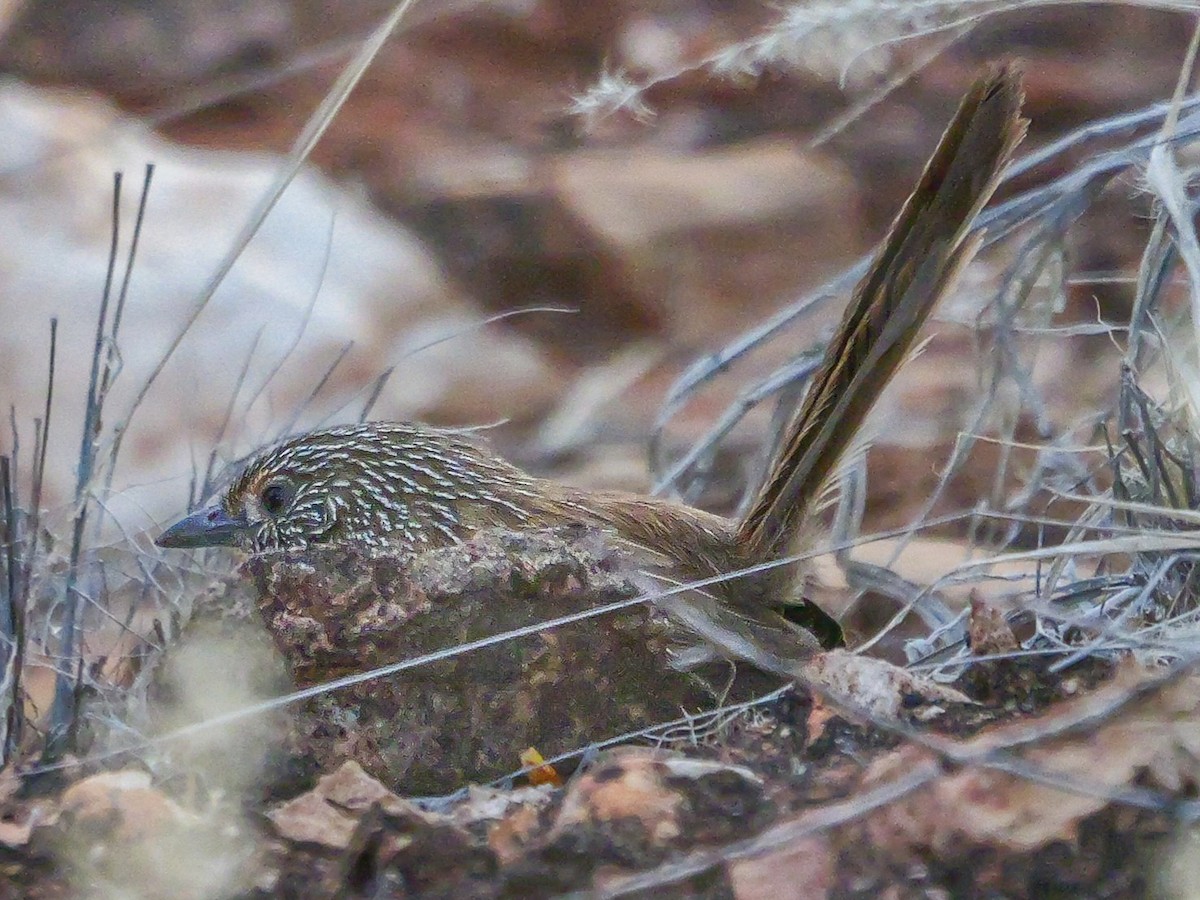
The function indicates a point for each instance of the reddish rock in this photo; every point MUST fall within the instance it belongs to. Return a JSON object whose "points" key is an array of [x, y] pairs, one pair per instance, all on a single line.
{"points": [[436, 727]]}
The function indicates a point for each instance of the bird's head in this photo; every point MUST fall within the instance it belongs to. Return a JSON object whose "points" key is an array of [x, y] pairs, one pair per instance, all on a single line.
{"points": [[365, 485]]}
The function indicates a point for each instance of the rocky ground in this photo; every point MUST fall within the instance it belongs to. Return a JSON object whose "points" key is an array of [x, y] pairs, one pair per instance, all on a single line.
{"points": [[1014, 781], [456, 184]]}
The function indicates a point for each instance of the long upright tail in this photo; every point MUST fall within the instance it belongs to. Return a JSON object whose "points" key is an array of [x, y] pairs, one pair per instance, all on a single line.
{"points": [[923, 253]]}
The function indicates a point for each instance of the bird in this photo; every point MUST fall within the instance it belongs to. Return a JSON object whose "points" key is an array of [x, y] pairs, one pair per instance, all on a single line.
{"points": [[405, 488]]}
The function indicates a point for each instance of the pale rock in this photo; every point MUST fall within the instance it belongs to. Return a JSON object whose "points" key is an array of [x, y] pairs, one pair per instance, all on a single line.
{"points": [[376, 288], [682, 226]]}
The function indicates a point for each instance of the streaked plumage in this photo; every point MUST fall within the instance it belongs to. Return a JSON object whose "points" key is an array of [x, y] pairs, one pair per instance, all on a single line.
{"points": [[409, 488]]}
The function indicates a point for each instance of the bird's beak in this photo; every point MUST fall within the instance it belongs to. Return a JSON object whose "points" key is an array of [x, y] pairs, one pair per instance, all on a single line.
{"points": [[209, 527]]}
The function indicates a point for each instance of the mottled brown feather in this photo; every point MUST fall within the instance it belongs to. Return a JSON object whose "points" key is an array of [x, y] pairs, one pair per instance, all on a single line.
{"points": [[407, 488]]}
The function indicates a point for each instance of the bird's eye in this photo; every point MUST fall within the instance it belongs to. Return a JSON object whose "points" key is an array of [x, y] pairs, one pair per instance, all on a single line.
{"points": [[275, 498]]}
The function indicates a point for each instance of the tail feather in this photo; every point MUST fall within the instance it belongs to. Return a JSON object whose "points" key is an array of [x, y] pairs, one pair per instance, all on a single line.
{"points": [[922, 255]]}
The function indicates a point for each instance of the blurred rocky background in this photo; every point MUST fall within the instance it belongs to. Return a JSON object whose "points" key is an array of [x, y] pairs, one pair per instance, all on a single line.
{"points": [[520, 241], [456, 184]]}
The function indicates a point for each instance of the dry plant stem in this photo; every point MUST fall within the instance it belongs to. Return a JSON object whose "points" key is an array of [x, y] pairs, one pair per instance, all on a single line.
{"points": [[313, 131], [658, 734], [238, 384], [223, 89], [784, 383], [312, 395], [1005, 365], [995, 223], [376, 388], [1113, 631], [409, 488], [1163, 175], [7, 613], [12, 625], [907, 72], [63, 710], [305, 321], [39, 466], [881, 801], [112, 363], [814, 821], [20, 602], [949, 755], [1138, 540], [205, 97], [817, 31], [1032, 259], [380, 383], [449, 653], [381, 672], [15, 454], [830, 815], [1060, 200]]}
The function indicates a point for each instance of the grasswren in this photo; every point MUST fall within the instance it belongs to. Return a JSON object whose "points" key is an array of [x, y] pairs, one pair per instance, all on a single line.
{"points": [[407, 488]]}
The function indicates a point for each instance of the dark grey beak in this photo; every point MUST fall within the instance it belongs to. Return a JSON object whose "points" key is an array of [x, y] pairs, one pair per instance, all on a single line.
{"points": [[210, 527]]}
